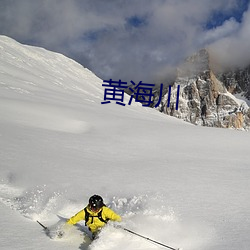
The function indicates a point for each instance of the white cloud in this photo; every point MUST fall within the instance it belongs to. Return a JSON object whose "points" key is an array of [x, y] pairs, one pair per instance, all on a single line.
{"points": [[228, 28], [98, 33], [233, 50]]}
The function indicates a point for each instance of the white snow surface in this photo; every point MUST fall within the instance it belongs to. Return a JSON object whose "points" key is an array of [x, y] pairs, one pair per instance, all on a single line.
{"points": [[182, 185]]}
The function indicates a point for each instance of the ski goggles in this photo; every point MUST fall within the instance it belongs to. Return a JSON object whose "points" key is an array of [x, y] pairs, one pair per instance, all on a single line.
{"points": [[94, 208]]}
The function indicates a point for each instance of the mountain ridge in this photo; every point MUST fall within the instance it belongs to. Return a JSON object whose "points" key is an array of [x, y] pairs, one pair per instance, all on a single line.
{"points": [[206, 96]]}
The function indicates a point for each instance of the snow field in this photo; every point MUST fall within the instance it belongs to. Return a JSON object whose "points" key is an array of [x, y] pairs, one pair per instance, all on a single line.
{"points": [[181, 185], [146, 215]]}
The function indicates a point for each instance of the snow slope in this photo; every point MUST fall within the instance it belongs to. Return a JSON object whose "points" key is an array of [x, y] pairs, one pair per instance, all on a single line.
{"points": [[176, 183]]}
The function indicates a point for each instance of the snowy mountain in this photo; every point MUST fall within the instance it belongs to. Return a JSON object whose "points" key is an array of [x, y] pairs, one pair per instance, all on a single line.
{"points": [[237, 81], [206, 96], [182, 185]]}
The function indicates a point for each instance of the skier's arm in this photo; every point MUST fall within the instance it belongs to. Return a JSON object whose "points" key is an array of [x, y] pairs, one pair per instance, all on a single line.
{"points": [[110, 214], [77, 217]]}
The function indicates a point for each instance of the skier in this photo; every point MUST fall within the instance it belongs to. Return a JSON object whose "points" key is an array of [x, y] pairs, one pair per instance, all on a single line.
{"points": [[95, 214]]}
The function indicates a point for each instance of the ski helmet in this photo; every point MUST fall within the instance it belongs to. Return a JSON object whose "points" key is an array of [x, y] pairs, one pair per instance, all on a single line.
{"points": [[95, 202]]}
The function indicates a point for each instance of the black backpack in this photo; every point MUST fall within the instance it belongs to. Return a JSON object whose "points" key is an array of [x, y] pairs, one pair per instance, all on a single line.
{"points": [[88, 216]]}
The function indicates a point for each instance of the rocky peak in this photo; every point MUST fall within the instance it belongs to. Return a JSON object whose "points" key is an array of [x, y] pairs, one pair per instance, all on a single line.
{"points": [[237, 81], [195, 64], [207, 98]]}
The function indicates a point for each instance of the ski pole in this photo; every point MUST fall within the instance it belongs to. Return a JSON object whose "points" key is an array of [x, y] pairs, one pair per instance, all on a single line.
{"points": [[146, 238], [45, 228]]}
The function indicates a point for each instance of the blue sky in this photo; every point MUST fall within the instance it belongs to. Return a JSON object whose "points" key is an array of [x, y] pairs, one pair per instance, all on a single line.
{"points": [[131, 39], [218, 17]]}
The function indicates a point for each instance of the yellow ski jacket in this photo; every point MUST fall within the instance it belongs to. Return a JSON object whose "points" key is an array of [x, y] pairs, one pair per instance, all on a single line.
{"points": [[94, 223]]}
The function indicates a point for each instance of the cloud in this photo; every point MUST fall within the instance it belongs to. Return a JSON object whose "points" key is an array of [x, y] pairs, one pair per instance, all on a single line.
{"points": [[233, 49], [129, 40], [228, 28]]}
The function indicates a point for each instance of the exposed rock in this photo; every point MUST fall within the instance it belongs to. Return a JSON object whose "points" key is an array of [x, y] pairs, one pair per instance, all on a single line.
{"points": [[206, 99], [237, 81]]}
